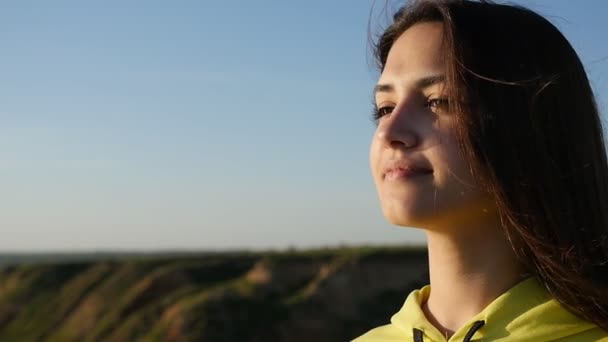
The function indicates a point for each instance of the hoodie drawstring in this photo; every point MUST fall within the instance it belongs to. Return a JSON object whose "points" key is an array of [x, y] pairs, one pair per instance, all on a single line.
{"points": [[476, 326], [467, 338]]}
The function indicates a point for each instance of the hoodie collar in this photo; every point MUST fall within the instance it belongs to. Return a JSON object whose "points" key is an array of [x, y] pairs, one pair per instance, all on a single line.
{"points": [[526, 312]]}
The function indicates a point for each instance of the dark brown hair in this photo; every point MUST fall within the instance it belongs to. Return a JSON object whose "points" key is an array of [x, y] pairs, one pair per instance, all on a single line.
{"points": [[530, 129]]}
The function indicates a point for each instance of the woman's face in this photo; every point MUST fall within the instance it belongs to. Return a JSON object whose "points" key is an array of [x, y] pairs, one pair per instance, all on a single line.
{"points": [[421, 178]]}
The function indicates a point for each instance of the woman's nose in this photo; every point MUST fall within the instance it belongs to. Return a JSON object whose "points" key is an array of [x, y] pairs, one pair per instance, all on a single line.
{"points": [[398, 130]]}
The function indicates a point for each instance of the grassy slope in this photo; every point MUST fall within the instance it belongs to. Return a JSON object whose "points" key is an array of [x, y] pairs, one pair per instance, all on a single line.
{"points": [[210, 297]]}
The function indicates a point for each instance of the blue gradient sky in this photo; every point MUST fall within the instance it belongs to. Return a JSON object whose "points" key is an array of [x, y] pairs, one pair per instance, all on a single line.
{"points": [[201, 124]]}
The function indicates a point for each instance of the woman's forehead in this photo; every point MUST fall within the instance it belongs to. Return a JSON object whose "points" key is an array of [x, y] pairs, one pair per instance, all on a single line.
{"points": [[416, 54]]}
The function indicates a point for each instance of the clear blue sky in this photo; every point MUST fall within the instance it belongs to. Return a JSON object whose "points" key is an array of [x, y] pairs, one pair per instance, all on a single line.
{"points": [[201, 124]]}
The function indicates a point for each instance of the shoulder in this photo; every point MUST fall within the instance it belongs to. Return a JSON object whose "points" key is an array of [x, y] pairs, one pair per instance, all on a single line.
{"points": [[596, 335], [385, 333], [402, 322]]}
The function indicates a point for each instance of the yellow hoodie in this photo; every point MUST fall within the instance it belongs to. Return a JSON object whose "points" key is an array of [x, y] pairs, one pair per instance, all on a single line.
{"points": [[525, 313]]}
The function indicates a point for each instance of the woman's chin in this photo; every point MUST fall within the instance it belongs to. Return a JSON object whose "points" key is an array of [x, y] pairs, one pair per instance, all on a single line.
{"points": [[405, 218]]}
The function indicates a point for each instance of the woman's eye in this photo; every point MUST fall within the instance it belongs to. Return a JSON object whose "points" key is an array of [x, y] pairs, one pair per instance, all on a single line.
{"points": [[382, 111], [437, 103], [378, 113], [434, 104], [385, 110]]}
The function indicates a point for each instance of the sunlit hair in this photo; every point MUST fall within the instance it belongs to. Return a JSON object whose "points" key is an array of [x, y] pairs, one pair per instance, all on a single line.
{"points": [[529, 127]]}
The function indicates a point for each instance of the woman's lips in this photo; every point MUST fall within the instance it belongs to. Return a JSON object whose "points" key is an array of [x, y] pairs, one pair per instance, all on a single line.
{"points": [[403, 170], [403, 174]]}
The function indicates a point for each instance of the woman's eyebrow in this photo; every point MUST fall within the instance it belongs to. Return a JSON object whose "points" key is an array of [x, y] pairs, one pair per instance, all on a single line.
{"points": [[421, 83], [384, 88], [426, 82]]}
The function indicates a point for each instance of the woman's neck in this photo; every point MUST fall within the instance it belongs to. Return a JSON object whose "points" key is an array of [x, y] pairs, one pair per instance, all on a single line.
{"points": [[468, 270]]}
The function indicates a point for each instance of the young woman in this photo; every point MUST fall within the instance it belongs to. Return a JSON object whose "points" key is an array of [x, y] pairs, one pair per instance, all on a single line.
{"points": [[489, 139]]}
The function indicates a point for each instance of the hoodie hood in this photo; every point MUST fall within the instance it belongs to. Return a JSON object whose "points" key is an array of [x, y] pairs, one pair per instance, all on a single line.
{"points": [[525, 313]]}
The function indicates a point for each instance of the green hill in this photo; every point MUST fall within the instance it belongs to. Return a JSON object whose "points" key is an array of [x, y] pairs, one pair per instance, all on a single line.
{"points": [[316, 295]]}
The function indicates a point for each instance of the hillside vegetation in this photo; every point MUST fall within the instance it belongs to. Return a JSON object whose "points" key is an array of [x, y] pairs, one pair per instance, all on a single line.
{"points": [[317, 295]]}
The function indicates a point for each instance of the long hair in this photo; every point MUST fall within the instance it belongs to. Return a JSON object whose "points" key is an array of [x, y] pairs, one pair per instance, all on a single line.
{"points": [[530, 129]]}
